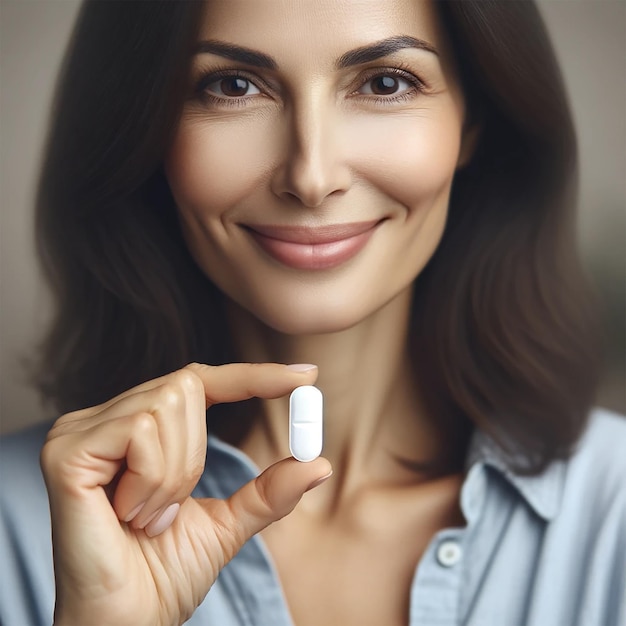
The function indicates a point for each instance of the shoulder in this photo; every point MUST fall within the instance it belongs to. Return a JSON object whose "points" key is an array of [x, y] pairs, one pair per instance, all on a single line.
{"points": [[23, 495], [593, 479], [27, 592], [588, 534], [603, 427], [563, 532], [592, 510], [19, 460], [599, 464]]}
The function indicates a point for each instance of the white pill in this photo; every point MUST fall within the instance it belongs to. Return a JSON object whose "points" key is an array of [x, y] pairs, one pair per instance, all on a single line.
{"points": [[305, 423]]}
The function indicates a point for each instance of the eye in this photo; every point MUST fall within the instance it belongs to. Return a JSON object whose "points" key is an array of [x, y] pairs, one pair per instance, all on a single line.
{"points": [[386, 85], [231, 87]]}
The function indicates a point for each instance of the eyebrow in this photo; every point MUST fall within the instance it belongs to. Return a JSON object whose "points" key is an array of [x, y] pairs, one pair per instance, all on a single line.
{"points": [[381, 49], [236, 53], [364, 54]]}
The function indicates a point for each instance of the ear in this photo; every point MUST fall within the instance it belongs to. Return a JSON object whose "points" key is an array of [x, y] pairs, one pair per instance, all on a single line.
{"points": [[469, 141]]}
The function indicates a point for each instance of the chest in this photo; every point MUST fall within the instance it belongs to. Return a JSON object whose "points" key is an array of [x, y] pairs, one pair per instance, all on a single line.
{"points": [[353, 571], [343, 582]]}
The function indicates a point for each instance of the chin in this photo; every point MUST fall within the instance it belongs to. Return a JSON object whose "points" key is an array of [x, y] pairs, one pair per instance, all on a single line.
{"points": [[302, 321]]}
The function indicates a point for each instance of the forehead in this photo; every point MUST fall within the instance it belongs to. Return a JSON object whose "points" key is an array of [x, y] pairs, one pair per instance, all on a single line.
{"points": [[325, 28]]}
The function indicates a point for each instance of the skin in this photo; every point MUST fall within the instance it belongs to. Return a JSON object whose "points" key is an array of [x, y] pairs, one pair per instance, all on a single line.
{"points": [[316, 149], [154, 566], [308, 145], [312, 152]]}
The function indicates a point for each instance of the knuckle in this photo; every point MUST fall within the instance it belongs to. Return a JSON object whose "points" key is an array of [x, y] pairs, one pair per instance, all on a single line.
{"points": [[153, 480], [188, 381], [198, 368], [169, 487], [68, 417], [66, 421], [171, 396], [48, 457], [143, 424], [156, 477], [55, 430], [152, 475], [57, 470]]}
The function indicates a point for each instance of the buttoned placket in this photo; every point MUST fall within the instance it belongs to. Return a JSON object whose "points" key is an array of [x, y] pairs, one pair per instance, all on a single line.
{"points": [[438, 582]]}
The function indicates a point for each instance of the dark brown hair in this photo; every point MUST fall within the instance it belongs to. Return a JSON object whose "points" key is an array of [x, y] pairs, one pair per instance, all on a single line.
{"points": [[503, 333]]}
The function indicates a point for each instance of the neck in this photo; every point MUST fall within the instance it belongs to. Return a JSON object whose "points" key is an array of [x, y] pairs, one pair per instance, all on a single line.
{"points": [[375, 426]]}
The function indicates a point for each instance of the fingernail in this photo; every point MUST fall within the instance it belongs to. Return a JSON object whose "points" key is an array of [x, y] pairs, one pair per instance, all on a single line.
{"points": [[319, 481], [164, 522], [131, 516], [301, 367]]}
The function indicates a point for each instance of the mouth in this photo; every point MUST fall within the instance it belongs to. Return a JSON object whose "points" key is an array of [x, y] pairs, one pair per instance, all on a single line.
{"points": [[313, 248]]}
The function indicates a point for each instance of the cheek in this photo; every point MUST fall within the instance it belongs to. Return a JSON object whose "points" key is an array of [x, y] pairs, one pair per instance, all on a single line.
{"points": [[211, 167], [411, 158]]}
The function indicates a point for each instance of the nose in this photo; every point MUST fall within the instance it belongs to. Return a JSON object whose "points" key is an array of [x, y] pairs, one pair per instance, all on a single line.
{"points": [[314, 164]]}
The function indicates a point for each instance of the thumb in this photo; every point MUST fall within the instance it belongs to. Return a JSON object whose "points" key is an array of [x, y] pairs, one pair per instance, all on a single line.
{"points": [[268, 498]]}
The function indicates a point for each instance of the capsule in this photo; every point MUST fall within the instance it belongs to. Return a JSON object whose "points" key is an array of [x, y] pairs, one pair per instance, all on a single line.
{"points": [[305, 423]]}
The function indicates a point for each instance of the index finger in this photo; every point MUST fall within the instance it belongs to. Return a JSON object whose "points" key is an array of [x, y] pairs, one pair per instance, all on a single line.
{"points": [[240, 381]]}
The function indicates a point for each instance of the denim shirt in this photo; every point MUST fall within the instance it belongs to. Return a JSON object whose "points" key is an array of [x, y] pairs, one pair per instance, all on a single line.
{"points": [[547, 550]]}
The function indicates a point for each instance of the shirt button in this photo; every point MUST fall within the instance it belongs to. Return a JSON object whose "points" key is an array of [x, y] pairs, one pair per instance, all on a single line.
{"points": [[449, 553]]}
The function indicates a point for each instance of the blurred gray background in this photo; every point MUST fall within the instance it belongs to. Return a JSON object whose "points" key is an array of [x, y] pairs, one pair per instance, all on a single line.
{"points": [[590, 40]]}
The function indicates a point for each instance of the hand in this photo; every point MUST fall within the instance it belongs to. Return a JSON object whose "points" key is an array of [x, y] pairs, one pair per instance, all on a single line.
{"points": [[137, 458]]}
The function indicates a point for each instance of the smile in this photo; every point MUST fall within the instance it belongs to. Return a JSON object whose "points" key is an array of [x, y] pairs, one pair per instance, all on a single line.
{"points": [[307, 248]]}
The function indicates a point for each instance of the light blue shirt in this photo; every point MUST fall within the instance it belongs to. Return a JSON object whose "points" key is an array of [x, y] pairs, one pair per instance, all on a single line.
{"points": [[548, 550]]}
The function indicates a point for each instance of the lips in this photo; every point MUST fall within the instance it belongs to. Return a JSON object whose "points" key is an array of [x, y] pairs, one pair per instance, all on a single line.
{"points": [[313, 248]]}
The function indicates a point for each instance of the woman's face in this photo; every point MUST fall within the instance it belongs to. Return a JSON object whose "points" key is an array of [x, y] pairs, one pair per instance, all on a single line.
{"points": [[315, 154]]}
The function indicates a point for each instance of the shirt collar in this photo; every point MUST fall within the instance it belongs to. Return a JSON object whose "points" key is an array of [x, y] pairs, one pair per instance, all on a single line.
{"points": [[542, 492]]}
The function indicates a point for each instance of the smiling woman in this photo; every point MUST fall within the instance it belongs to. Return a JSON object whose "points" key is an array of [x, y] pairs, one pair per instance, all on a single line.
{"points": [[312, 167], [379, 194]]}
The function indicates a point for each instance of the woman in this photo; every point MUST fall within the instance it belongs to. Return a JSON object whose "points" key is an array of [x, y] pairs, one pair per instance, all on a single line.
{"points": [[383, 189]]}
